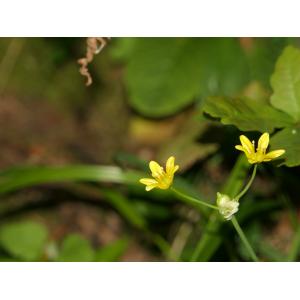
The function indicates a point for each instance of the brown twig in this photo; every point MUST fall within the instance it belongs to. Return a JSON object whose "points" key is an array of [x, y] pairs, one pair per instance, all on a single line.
{"points": [[94, 46]]}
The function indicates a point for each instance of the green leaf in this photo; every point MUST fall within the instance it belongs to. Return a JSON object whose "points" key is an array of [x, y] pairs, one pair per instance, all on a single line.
{"points": [[112, 252], [16, 178], [288, 139], [76, 248], [285, 82], [165, 75], [246, 114], [24, 240]]}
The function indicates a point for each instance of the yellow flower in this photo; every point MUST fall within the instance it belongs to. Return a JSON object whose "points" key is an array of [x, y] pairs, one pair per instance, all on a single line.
{"points": [[162, 179], [260, 154]]}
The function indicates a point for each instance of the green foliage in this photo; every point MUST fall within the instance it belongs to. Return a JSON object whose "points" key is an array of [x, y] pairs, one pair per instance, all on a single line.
{"points": [[283, 112], [24, 240], [286, 83], [112, 252], [162, 77], [75, 248], [288, 139], [246, 114], [165, 75], [16, 178]]}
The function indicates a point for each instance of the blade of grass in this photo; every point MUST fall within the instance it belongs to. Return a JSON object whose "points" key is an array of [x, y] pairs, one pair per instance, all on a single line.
{"points": [[17, 178]]}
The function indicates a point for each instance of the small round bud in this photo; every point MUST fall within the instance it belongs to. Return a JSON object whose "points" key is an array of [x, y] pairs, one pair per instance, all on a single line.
{"points": [[227, 206]]}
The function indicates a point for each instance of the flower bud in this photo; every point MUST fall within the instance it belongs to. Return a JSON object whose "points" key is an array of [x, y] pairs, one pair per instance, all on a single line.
{"points": [[227, 206]]}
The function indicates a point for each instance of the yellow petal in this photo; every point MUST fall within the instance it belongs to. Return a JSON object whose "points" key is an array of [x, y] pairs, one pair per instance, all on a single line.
{"points": [[273, 154], [170, 164], [150, 187], [155, 168], [239, 147], [247, 145], [170, 168], [175, 169], [263, 142], [253, 160], [148, 181]]}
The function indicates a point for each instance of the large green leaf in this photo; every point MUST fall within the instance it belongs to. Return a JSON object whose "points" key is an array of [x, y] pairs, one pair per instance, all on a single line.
{"points": [[165, 75], [285, 82], [288, 139], [24, 240], [76, 248], [246, 114]]}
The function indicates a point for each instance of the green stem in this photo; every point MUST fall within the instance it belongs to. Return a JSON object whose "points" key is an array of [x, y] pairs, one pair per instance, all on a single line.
{"points": [[246, 188], [211, 238], [192, 199], [294, 251], [244, 239]]}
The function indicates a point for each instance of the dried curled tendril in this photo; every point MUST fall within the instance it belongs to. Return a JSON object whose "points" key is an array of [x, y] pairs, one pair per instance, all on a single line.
{"points": [[94, 46]]}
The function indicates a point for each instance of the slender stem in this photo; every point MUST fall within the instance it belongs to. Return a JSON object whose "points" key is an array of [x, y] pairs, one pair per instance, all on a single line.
{"points": [[245, 189], [244, 239], [195, 200], [294, 251]]}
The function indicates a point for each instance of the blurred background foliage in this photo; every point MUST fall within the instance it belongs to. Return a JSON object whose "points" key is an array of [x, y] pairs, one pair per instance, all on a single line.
{"points": [[71, 155]]}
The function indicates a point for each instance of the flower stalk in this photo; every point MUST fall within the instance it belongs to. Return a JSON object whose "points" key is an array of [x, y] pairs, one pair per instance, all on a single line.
{"points": [[192, 199], [244, 239], [246, 188]]}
